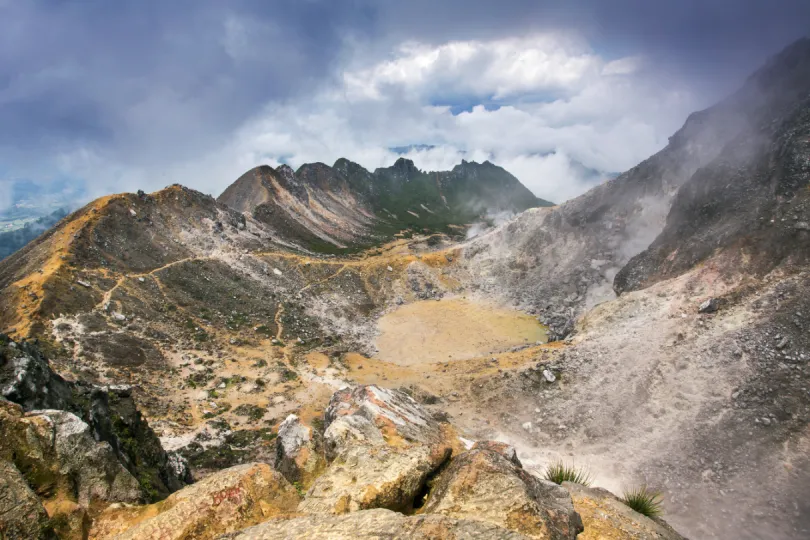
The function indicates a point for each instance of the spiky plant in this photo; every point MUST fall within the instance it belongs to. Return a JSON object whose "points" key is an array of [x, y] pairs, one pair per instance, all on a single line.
{"points": [[558, 472], [644, 500]]}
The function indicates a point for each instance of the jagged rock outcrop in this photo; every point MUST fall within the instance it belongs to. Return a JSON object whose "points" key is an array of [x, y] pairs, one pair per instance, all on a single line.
{"points": [[224, 502], [22, 516], [506, 450], [299, 452], [62, 460], [108, 415], [489, 486], [605, 516], [382, 446], [374, 524]]}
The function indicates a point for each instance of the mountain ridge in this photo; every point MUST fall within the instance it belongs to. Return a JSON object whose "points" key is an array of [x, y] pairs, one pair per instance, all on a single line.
{"points": [[346, 204]]}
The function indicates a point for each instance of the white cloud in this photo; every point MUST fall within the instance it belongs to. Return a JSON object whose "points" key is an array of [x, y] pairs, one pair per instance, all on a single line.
{"points": [[498, 69], [623, 66]]}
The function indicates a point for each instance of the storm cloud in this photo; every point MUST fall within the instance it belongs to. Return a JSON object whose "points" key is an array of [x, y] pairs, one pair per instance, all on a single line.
{"points": [[140, 94]]}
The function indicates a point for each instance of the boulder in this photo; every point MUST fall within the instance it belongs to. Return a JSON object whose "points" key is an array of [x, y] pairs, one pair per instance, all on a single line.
{"points": [[299, 452], [506, 450], [374, 524], [605, 516], [382, 447], [485, 485], [224, 502], [62, 460], [22, 516]]}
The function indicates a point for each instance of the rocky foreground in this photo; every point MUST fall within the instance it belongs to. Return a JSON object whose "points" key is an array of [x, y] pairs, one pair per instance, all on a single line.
{"points": [[378, 465]]}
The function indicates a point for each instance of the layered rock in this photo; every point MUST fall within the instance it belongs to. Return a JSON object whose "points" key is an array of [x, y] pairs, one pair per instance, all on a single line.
{"points": [[224, 502], [374, 524], [382, 446], [486, 485]]}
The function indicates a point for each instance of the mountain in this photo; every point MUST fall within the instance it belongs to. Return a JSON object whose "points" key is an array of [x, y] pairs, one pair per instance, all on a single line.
{"points": [[327, 208], [751, 202], [264, 347]]}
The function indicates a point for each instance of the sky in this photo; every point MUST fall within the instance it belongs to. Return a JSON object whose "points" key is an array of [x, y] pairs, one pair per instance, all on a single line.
{"points": [[140, 94]]}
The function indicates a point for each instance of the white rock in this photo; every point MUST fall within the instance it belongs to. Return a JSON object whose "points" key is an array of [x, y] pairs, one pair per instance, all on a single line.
{"points": [[549, 376], [276, 271], [466, 442]]}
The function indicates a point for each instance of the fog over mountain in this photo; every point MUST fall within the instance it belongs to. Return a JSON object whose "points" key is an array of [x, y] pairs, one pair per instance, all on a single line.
{"points": [[148, 94]]}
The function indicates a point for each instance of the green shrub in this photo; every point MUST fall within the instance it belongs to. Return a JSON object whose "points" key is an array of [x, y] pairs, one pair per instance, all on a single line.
{"points": [[559, 472], [644, 501]]}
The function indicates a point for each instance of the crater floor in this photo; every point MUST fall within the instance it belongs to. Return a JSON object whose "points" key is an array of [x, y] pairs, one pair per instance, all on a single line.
{"points": [[432, 331]]}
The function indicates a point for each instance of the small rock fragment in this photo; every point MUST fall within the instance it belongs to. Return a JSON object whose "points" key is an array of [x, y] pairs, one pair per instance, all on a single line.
{"points": [[709, 306]]}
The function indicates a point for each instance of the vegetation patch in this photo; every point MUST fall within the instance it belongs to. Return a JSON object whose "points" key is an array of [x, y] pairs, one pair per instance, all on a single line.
{"points": [[288, 375], [644, 500], [559, 472], [221, 408], [252, 412]]}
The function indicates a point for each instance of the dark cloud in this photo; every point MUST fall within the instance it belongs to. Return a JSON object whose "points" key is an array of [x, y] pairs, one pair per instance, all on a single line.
{"points": [[151, 73]]}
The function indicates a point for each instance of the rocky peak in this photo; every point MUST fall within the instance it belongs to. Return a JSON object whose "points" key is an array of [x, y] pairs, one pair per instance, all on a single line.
{"points": [[403, 169]]}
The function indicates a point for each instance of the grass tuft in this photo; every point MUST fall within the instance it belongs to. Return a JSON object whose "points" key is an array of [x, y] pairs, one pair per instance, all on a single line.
{"points": [[559, 472], [644, 501]]}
